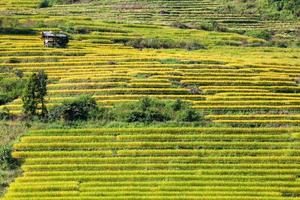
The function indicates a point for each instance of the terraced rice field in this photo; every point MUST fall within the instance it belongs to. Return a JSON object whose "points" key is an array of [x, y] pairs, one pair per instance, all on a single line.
{"points": [[189, 163], [237, 81], [231, 77], [222, 80], [152, 12]]}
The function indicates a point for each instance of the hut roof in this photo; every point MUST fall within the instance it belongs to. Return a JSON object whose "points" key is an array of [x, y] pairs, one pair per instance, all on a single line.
{"points": [[51, 34]]}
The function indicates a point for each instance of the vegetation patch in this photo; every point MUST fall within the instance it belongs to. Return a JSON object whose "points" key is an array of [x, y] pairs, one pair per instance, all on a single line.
{"points": [[49, 3], [11, 84], [269, 9], [157, 43], [262, 34], [9, 166], [149, 110], [81, 108]]}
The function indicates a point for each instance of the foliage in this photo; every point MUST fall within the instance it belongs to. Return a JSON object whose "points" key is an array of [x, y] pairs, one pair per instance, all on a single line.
{"points": [[149, 110], [81, 108], [11, 85], [9, 166], [10, 131], [180, 25], [269, 9], [5, 114], [44, 4], [49, 3], [34, 95], [6, 159], [262, 34], [281, 9], [42, 92], [157, 43], [212, 26]]}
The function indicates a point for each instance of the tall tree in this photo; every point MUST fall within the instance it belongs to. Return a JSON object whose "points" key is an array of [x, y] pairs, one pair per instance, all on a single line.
{"points": [[29, 97], [42, 92], [34, 103]]}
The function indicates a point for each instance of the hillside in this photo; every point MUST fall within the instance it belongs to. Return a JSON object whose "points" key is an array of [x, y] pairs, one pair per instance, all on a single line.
{"points": [[268, 9], [201, 163], [231, 66]]}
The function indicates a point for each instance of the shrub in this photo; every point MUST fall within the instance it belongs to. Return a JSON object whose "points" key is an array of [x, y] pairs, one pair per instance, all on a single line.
{"points": [[6, 159], [212, 26], [149, 110], [135, 116], [262, 34], [180, 25], [154, 43], [177, 105], [157, 43], [81, 29], [49, 3], [44, 4], [5, 114], [11, 86], [192, 46], [190, 115], [81, 108], [282, 44], [13, 60], [68, 1], [281, 9], [297, 44]]}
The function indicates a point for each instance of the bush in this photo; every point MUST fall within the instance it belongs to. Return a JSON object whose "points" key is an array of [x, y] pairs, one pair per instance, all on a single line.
{"points": [[154, 43], [157, 43], [190, 115], [11, 86], [149, 110], [262, 34], [5, 114], [212, 26], [192, 46], [6, 159], [146, 110], [282, 44], [13, 60], [67, 1], [177, 105], [44, 4], [81, 108], [49, 3], [281, 9], [180, 25]]}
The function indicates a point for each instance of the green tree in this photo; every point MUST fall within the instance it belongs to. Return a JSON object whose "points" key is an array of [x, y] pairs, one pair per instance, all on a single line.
{"points": [[42, 92], [29, 97], [81, 108], [34, 95]]}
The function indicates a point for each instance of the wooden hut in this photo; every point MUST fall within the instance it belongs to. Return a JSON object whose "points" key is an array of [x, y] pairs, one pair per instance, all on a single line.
{"points": [[52, 39]]}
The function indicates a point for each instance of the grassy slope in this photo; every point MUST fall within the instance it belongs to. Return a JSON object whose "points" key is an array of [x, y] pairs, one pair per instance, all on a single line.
{"points": [[272, 9], [9, 134]]}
